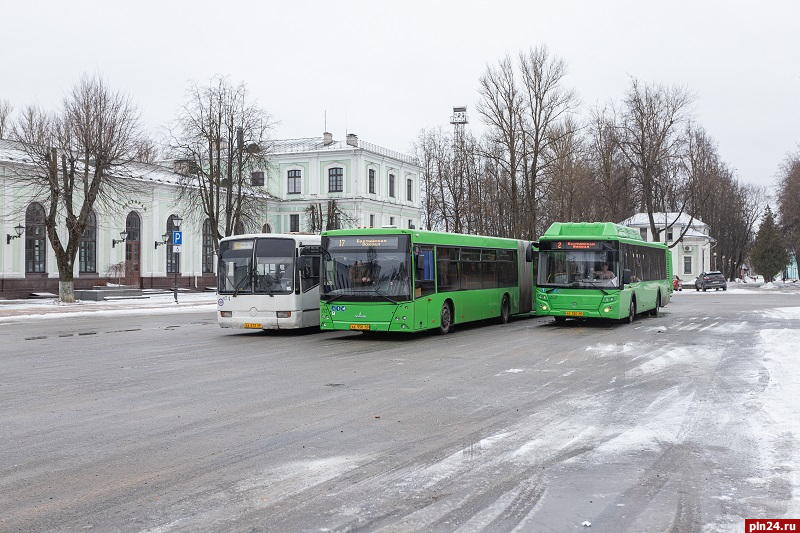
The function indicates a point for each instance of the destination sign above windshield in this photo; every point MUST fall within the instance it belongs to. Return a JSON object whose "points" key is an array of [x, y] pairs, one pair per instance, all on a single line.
{"points": [[576, 245], [363, 242]]}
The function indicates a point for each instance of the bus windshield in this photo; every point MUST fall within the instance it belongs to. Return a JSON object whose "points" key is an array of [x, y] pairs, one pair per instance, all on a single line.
{"points": [[578, 269], [366, 268], [260, 266]]}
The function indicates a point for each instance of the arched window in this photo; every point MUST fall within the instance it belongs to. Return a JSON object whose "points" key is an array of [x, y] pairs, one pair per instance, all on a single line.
{"points": [[266, 228], [35, 240], [87, 254], [208, 248], [172, 258], [133, 246]]}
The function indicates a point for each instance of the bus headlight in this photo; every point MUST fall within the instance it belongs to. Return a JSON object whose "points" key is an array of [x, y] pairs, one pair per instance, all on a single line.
{"points": [[543, 306], [607, 309], [284, 314]]}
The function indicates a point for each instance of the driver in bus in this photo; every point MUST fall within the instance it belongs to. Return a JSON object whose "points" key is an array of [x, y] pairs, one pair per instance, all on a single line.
{"points": [[605, 273]]}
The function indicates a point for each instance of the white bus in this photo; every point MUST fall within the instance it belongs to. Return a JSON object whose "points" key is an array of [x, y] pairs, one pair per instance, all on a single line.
{"points": [[268, 281]]}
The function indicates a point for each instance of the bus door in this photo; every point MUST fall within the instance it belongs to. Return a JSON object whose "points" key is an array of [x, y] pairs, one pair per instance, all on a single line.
{"points": [[308, 271], [424, 284]]}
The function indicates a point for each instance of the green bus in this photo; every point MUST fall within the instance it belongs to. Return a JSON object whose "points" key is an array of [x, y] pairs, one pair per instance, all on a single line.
{"points": [[601, 270], [408, 280]]}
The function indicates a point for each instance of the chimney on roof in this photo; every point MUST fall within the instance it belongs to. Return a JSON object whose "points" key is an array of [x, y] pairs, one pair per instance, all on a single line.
{"points": [[327, 138], [352, 139]]}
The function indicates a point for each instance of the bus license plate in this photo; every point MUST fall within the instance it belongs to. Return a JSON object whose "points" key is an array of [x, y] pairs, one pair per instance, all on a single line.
{"points": [[574, 313], [252, 325], [359, 326]]}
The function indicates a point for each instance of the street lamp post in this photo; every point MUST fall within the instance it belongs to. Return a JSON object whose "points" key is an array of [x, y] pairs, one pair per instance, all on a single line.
{"points": [[176, 223], [715, 260]]}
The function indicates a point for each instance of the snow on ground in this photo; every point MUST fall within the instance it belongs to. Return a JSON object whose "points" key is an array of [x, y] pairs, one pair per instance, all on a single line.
{"points": [[157, 303], [781, 404]]}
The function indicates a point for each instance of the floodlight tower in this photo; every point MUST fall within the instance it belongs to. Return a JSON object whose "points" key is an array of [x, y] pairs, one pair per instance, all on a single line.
{"points": [[458, 120]]}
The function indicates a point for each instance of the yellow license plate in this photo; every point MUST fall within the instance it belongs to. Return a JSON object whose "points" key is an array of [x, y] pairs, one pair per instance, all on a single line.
{"points": [[252, 325], [574, 313], [359, 326]]}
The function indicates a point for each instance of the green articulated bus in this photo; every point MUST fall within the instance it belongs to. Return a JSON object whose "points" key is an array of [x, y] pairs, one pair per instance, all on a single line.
{"points": [[601, 270], [389, 279]]}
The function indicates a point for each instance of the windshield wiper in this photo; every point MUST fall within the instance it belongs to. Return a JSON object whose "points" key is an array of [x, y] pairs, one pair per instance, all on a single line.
{"points": [[384, 296], [240, 285], [592, 283]]}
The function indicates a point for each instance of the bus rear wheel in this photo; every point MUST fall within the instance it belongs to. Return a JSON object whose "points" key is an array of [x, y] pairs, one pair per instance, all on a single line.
{"points": [[656, 311], [505, 311], [446, 319]]}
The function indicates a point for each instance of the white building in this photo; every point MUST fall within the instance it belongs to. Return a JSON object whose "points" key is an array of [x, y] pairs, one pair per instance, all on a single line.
{"points": [[373, 186], [691, 254]]}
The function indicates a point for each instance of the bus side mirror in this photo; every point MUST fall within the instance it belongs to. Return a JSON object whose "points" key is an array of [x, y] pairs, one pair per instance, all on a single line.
{"points": [[626, 276], [419, 261], [529, 253]]}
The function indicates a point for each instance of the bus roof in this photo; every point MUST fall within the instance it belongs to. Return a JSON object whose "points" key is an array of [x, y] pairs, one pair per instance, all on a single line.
{"points": [[432, 237], [302, 238], [591, 230]]}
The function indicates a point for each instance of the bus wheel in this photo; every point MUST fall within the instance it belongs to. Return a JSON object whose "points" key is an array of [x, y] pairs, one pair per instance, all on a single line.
{"points": [[631, 312], [655, 312], [505, 311], [446, 321]]}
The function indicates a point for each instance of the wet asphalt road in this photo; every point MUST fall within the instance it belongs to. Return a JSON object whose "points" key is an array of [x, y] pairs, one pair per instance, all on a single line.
{"points": [[160, 424]]}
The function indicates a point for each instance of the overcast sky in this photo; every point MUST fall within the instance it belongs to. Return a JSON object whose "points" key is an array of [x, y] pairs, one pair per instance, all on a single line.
{"points": [[386, 70]]}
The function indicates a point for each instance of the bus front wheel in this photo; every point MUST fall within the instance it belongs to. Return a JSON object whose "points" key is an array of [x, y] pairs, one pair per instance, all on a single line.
{"points": [[631, 312], [446, 321]]}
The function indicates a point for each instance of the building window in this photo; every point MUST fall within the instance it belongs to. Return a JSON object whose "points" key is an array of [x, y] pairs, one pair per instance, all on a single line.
{"points": [[35, 240], [391, 221], [238, 228], [371, 181], [294, 223], [335, 179], [372, 221], [391, 185], [208, 248], [295, 182], [410, 224], [409, 190], [172, 257], [669, 236], [337, 221], [687, 264], [257, 179], [87, 254], [643, 233]]}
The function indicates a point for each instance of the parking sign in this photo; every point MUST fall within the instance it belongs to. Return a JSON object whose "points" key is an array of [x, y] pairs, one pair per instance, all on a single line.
{"points": [[177, 238]]}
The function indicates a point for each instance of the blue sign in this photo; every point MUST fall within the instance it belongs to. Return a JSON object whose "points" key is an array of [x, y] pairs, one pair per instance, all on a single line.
{"points": [[177, 238]]}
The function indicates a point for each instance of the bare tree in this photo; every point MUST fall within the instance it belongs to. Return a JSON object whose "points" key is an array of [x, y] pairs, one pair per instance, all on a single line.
{"points": [[500, 105], [222, 136], [613, 194], [547, 103], [78, 156], [5, 116], [650, 140], [788, 199], [332, 216]]}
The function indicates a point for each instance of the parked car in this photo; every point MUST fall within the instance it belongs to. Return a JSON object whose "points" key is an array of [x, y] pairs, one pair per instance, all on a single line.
{"points": [[711, 280], [677, 284]]}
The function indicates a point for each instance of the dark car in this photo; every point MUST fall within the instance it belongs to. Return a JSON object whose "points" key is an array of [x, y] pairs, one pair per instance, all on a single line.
{"points": [[711, 280]]}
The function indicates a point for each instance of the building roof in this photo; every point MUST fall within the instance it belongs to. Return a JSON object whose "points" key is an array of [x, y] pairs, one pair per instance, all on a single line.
{"points": [[317, 144], [675, 219]]}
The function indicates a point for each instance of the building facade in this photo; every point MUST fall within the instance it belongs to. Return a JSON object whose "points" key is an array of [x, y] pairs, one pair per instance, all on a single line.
{"points": [[692, 253], [124, 244]]}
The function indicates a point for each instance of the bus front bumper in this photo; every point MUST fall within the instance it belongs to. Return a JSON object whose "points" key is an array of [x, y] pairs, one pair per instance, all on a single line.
{"points": [[260, 320]]}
